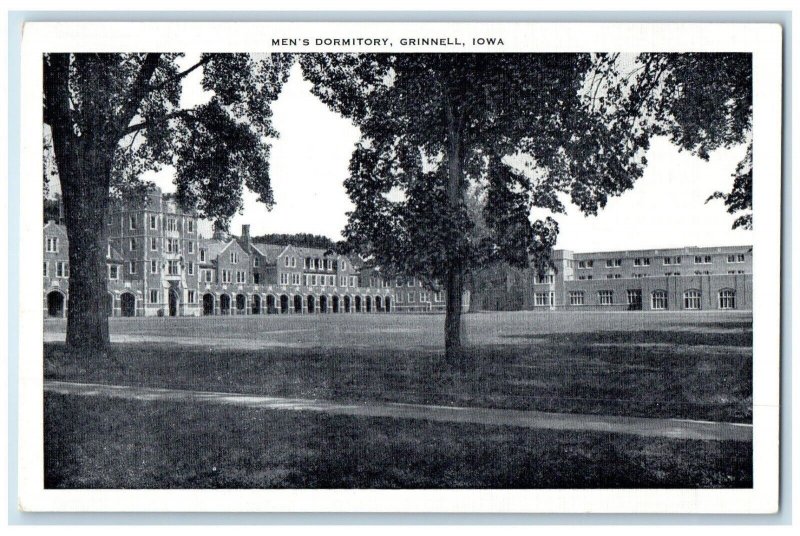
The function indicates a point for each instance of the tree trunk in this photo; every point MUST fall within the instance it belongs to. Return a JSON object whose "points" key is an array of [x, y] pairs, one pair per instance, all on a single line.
{"points": [[455, 271], [85, 203]]}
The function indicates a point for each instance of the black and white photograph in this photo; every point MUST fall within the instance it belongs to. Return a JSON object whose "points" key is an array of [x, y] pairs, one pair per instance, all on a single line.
{"points": [[397, 257]]}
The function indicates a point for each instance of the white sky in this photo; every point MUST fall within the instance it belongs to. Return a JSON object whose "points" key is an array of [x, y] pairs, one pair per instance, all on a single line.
{"points": [[309, 162]]}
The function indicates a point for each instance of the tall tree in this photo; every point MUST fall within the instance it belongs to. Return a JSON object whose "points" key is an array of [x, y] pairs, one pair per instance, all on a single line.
{"points": [[113, 116], [517, 128]]}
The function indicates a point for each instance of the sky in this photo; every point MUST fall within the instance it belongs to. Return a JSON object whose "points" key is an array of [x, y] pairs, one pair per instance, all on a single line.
{"points": [[309, 162]]}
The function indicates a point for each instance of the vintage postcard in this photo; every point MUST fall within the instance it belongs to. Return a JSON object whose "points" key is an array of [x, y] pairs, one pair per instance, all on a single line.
{"points": [[400, 267]]}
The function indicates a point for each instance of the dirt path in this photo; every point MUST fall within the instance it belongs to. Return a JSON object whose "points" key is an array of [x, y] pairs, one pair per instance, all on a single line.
{"points": [[646, 427]]}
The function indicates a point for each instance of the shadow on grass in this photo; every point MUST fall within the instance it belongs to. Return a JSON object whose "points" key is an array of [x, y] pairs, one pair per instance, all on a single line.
{"points": [[108, 443], [743, 338], [610, 373]]}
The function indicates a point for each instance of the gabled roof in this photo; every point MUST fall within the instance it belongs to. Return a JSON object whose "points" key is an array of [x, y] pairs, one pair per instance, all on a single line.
{"points": [[56, 228], [270, 252], [213, 246]]}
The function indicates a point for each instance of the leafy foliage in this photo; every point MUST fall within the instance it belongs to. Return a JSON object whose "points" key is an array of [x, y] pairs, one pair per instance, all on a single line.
{"points": [[516, 124]]}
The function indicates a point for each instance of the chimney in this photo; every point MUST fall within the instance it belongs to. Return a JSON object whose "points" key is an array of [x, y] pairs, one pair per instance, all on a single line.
{"points": [[246, 237]]}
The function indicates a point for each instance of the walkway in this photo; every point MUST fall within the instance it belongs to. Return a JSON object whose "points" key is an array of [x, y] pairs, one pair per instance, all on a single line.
{"points": [[646, 427]]}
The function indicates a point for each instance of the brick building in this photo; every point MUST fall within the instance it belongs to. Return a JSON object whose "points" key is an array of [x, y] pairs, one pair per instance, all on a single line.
{"points": [[159, 264], [690, 278]]}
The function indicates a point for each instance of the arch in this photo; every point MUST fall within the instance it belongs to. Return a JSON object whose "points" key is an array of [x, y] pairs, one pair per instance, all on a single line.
{"points": [[270, 304], [378, 304], [173, 303], [347, 304], [727, 298], [358, 304], [55, 304], [208, 304], [285, 304], [256, 304], [658, 300], [368, 304], [387, 304], [323, 304], [335, 304], [298, 303], [692, 299], [127, 304], [310, 303], [241, 304], [224, 304]]}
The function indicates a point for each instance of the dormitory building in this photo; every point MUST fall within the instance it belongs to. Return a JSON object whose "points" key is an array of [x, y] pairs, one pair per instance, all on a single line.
{"points": [[160, 265]]}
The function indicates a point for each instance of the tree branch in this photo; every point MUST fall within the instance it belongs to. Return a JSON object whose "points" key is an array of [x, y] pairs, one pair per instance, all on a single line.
{"points": [[181, 74], [139, 88], [186, 114]]}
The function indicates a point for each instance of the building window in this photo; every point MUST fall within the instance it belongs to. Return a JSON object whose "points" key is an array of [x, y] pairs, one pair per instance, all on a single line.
{"points": [[153, 244], [546, 279], [410, 283], [241, 277], [342, 280], [643, 261], [45, 269], [255, 261], [606, 297], [190, 226], [658, 300], [634, 297], [113, 272], [295, 278], [191, 246], [153, 267], [667, 261], [132, 267], [540, 299], [62, 269], [399, 298], [132, 221], [226, 276], [234, 257], [153, 296], [613, 263], [202, 255], [344, 266], [736, 258], [153, 221], [209, 276], [727, 299], [52, 244], [691, 299], [702, 259], [410, 297], [437, 297], [581, 265], [172, 267], [172, 225], [173, 245], [133, 244], [190, 267], [284, 278], [313, 279], [286, 261], [353, 281], [576, 297], [190, 296]]}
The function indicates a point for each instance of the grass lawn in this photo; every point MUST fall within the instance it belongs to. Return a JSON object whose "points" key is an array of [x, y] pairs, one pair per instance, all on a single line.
{"points": [[95, 442], [682, 365]]}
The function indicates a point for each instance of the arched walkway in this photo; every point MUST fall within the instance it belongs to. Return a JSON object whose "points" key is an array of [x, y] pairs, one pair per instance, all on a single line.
{"points": [[173, 303], [335, 304], [368, 303], [208, 304], [347, 304], [310, 304], [241, 304], [387, 304], [358, 304], [256, 304], [323, 304], [127, 304], [271, 304], [55, 304], [224, 304], [298, 304], [285, 304], [378, 304]]}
